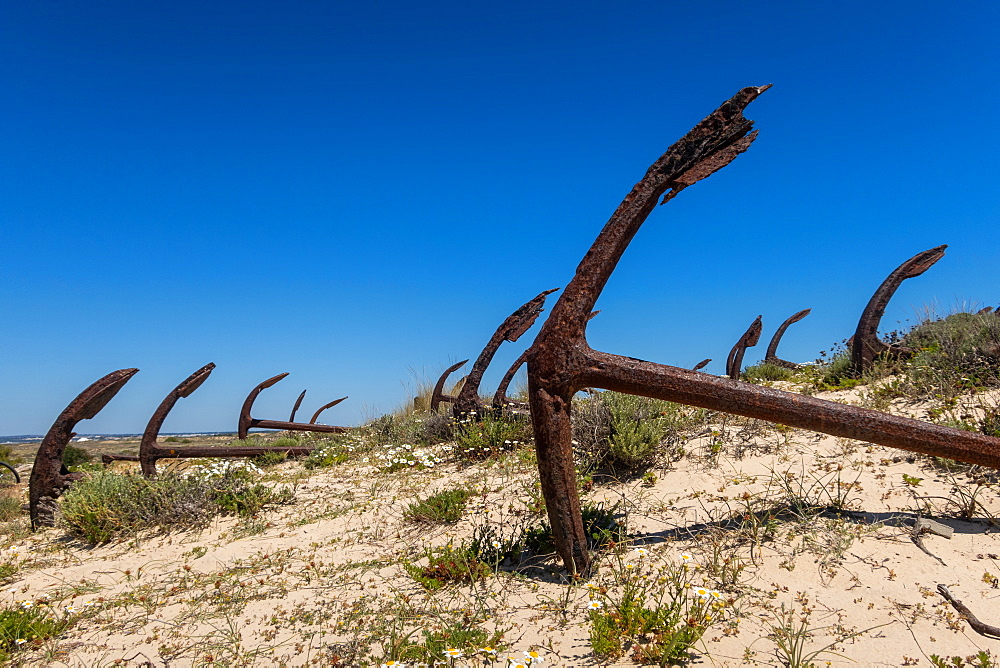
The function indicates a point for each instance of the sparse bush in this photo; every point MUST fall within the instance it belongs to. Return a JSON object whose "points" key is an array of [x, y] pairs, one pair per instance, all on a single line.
{"points": [[26, 626], [448, 565], [628, 433], [481, 436], [331, 452], [443, 507], [767, 372], [107, 504], [955, 355], [10, 508], [7, 455], [655, 610], [599, 524], [74, 456]]}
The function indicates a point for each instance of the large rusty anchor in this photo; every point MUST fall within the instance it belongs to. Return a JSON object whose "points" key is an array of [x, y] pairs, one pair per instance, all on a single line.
{"points": [[48, 475], [865, 344], [749, 339], [771, 356], [511, 329], [560, 362]]}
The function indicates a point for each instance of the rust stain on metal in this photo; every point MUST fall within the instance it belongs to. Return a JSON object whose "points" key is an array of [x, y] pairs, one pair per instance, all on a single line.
{"points": [[323, 408], [48, 475], [295, 408], [560, 362], [865, 344], [771, 356], [247, 422], [749, 339]]}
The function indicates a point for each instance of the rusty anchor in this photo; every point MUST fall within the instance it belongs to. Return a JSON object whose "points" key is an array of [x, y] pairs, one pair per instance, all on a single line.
{"points": [[560, 362], [500, 399], [48, 475], [865, 344], [322, 408], [749, 339], [771, 356], [247, 422], [511, 329], [701, 365], [295, 408]]}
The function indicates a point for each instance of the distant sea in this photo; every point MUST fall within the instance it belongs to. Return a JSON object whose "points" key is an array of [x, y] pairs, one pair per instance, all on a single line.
{"points": [[22, 439]]}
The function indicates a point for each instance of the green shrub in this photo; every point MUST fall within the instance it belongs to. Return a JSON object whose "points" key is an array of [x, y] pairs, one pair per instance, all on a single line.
{"points": [[766, 372], [107, 504], [599, 524], [443, 507], [329, 453], [25, 626], [176, 439], [656, 611], [74, 456], [629, 433], [481, 436], [8, 455], [448, 565]]}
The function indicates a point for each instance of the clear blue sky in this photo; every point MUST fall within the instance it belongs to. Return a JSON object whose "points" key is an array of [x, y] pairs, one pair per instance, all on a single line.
{"points": [[359, 192]]}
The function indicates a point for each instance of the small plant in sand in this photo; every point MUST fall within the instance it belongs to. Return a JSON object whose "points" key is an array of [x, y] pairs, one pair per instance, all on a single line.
{"points": [[449, 564], [653, 607], [440, 508], [983, 659], [25, 625]]}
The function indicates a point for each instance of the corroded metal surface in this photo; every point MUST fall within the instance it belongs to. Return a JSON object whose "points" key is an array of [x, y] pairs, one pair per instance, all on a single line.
{"points": [[701, 365], [247, 422], [48, 475], [771, 356], [865, 344], [322, 408], [560, 362], [749, 339], [295, 408]]}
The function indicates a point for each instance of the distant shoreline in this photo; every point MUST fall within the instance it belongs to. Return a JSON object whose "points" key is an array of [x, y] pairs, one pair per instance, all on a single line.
{"points": [[27, 439]]}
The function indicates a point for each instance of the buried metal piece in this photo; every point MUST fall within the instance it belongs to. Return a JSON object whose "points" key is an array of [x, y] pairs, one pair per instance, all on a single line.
{"points": [[247, 422], [771, 356], [865, 344], [701, 365], [511, 329], [560, 362], [48, 475], [749, 339], [323, 408], [295, 408]]}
